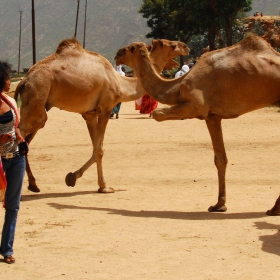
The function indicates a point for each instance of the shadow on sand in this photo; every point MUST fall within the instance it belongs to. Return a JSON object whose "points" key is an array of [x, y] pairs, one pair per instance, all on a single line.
{"points": [[166, 214], [270, 243], [143, 213]]}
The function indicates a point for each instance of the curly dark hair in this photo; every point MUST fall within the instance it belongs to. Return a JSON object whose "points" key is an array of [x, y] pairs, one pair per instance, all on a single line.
{"points": [[5, 69]]}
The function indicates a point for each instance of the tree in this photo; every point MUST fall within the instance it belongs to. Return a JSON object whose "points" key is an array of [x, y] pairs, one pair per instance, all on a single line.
{"points": [[226, 11], [183, 18], [159, 18]]}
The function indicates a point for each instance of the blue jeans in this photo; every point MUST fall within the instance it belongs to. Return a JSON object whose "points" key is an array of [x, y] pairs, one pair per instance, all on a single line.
{"points": [[15, 169], [117, 108]]}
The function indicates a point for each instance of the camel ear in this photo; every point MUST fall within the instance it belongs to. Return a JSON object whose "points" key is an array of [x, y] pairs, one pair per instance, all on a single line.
{"points": [[132, 49], [161, 42]]}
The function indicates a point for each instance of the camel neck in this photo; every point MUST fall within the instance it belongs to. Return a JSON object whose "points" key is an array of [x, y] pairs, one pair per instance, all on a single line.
{"points": [[132, 89], [165, 91]]}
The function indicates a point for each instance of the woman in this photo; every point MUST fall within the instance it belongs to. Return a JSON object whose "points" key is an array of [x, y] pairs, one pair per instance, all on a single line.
{"points": [[13, 163]]}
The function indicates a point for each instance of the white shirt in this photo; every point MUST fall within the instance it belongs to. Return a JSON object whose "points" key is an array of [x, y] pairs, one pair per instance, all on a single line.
{"points": [[185, 69], [119, 70]]}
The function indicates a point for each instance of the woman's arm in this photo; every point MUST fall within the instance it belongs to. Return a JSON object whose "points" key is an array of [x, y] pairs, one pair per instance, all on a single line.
{"points": [[18, 135]]}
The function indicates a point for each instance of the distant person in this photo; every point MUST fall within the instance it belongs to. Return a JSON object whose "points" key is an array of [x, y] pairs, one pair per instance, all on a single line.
{"points": [[191, 64], [261, 14], [148, 105], [185, 69], [117, 108]]}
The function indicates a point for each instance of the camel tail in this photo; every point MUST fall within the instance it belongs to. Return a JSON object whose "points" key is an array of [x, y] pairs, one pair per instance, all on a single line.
{"points": [[19, 88]]}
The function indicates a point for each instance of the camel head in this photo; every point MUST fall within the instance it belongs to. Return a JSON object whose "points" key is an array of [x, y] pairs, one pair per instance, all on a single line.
{"points": [[163, 50], [275, 40], [171, 48], [160, 52], [272, 37], [126, 55], [267, 35], [32, 111]]}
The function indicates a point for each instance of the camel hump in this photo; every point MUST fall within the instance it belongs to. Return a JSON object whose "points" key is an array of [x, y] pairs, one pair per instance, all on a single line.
{"points": [[71, 43], [254, 43]]}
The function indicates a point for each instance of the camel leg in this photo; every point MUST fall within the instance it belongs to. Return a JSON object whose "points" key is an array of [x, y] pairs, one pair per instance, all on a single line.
{"points": [[185, 110], [220, 159], [71, 178], [32, 186], [275, 210], [194, 108], [96, 126]]}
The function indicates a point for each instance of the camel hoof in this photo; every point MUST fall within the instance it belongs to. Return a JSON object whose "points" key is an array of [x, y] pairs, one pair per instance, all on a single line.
{"points": [[271, 213], [106, 190], [215, 209], [33, 188], [70, 179]]}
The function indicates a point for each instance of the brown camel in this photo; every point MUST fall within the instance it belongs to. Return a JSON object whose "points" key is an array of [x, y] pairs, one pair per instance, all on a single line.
{"points": [[273, 37], [76, 80], [223, 84]]}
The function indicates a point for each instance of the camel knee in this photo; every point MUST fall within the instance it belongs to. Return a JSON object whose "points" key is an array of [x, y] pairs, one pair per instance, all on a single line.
{"points": [[99, 152], [221, 161], [158, 115]]}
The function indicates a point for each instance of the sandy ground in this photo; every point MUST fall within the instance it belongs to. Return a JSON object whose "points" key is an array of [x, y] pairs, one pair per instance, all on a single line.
{"points": [[156, 224]]}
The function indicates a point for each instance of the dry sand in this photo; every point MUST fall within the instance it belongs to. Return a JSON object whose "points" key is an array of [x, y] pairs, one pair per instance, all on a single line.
{"points": [[156, 224]]}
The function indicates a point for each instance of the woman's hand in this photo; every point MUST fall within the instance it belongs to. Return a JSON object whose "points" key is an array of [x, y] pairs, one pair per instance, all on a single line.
{"points": [[20, 138]]}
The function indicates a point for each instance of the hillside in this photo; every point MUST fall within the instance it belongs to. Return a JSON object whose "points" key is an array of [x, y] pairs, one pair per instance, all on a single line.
{"points": [[267, 7], [110, 25]]}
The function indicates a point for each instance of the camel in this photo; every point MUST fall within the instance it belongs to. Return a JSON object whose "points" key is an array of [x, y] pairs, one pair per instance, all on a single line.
{"points": [[84, 82], [223, 84], [273, 37]]}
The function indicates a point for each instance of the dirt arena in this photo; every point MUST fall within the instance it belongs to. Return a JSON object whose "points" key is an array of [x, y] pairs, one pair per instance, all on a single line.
{"points": [[156, 225]]}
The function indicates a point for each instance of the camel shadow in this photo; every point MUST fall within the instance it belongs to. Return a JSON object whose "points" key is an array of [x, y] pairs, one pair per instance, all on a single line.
{"points": [[270, 243], [31, 197], [176, 215], [133, 114], [139, 118]]}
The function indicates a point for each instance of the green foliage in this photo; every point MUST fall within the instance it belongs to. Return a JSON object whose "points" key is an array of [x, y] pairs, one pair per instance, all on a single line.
{"points": [[183, 18], [160, 19], [196, 43]]}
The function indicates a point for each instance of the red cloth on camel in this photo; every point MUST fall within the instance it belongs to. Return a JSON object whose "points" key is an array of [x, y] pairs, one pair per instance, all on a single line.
{"points": [[148, 104]]}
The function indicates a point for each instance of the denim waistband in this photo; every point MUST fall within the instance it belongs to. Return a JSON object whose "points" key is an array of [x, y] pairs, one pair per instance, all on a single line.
{"points": [[10, 155]]}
